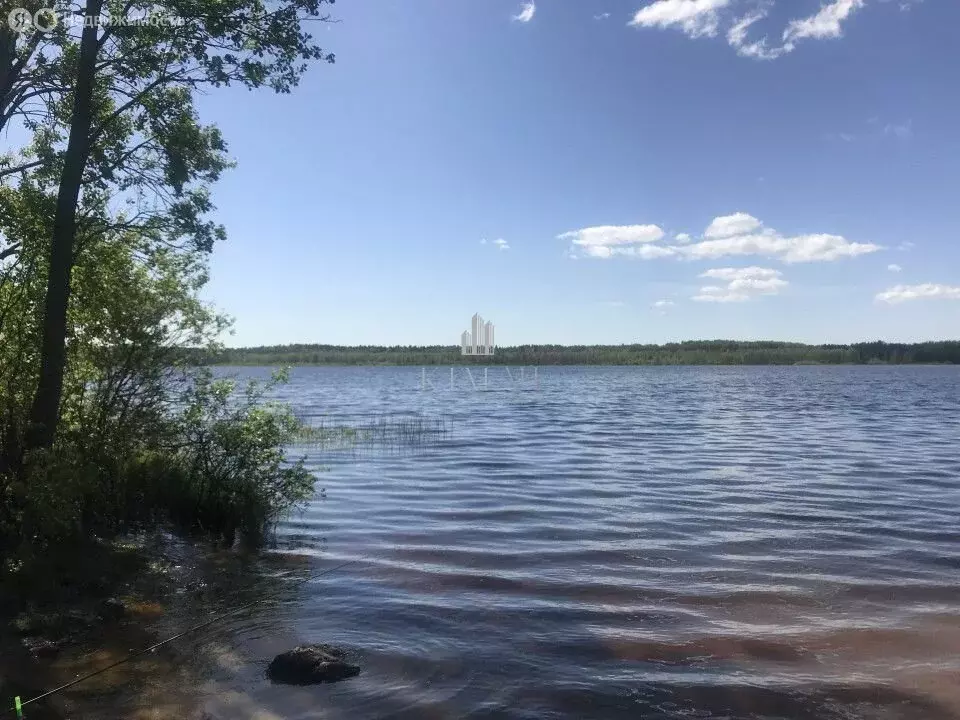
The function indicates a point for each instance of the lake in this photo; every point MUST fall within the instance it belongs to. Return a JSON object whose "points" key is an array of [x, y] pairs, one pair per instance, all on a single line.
{"points": [[644, 542]]}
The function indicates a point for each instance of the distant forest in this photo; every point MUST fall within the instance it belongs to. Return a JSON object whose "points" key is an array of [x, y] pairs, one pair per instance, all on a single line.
{"points": [[695, 352]]}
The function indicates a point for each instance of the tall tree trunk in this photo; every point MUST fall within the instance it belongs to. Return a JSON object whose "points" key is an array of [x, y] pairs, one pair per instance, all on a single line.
{"points": [[8, 44], [9, 70], [45, 412]]}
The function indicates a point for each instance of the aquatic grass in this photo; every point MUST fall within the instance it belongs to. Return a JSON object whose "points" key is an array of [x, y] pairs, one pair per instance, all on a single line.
{"points": [[386, 432]]}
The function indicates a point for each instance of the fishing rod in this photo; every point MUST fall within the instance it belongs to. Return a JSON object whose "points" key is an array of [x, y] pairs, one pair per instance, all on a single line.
{"points": [[18, 705]]}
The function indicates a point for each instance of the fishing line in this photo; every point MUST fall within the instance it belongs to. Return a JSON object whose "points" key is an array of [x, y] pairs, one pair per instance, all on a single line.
{"points": [[18, 704]]}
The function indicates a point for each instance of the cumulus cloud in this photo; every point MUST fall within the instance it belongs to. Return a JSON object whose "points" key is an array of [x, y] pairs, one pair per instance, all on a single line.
{"points": [[893, 267], [733, 235], [601, 16], [501, 244], [695, 17], [902, 293], [608, 240], [798, 249], [824, 24], [741, 284], [646, 252], [615, 235], [732, 225], [526, 13], [743, 234]]}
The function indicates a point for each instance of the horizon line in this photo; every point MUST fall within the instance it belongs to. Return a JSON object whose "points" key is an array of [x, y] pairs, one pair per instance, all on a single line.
{"points": [[606, 345]]}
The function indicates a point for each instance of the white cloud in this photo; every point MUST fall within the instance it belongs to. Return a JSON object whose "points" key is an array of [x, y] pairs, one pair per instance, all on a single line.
{"points": [[733, 235], [607, 240], [661, 307], [802, 248], [902, 293], [646, 252], [601, 16], [906, 246], [526, 13], [903, 131], [737, 34], [741, 284], [501, 244], [893, 267], [695, 17], [730, 225], [737, 38], [907, 5], [704, 18], [483, 241], [743, 234], [824, 24]]}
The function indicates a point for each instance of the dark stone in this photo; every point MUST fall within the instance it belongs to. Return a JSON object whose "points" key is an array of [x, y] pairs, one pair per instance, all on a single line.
{"points": [[309, 664]]}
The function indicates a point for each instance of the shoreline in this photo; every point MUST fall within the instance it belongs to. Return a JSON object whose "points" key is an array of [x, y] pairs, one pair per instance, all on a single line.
{"points": [[694, 352], [279, 364]]}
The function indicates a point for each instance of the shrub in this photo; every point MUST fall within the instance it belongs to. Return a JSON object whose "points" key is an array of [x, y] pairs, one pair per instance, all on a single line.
{"points": [[233, 473], [216, 464]]}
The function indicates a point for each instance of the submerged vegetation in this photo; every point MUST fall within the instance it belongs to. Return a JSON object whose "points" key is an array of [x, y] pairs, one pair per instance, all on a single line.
{"points": [[697, 352]]}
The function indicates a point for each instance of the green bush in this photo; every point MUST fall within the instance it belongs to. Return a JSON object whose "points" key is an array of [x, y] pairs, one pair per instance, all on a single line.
{"points": [[216, 464], [233, 473]]}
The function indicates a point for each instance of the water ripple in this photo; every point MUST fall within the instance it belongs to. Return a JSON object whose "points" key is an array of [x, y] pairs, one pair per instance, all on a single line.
{"points": [[634, 542]]}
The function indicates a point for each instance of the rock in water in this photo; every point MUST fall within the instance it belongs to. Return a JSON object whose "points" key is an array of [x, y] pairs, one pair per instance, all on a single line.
{"points": [[309, 664]]}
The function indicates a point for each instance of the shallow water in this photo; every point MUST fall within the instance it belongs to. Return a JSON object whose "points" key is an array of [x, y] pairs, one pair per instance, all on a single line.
{"points": [[619, 543]]}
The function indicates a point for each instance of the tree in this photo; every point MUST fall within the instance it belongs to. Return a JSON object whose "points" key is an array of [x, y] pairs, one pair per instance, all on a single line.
{"points": [[119, 122]]}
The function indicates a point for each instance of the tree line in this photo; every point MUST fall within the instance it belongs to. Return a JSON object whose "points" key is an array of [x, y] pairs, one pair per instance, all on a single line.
{"points": [[695, 352]]}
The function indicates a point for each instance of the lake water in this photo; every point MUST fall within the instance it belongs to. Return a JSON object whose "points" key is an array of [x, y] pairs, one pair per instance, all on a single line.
{"points": [[623, 543]]}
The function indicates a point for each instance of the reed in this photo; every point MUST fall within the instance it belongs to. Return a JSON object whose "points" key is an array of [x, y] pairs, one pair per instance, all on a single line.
{"points": [[376, 432]]}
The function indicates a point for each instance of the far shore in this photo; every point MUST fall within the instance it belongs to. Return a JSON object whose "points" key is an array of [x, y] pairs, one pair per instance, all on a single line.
{"points": [[696, 352]]}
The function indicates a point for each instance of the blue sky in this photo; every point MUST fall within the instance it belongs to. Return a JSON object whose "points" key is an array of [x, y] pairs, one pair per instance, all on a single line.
{"points": [[656, 171]]}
